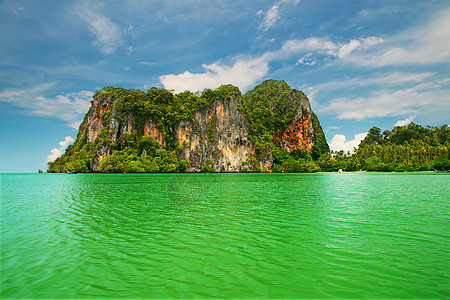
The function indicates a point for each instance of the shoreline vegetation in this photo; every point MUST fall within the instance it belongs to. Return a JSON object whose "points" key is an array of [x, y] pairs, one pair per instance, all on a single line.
{"points": [[411, 148], [404, 149], [247, 172]]}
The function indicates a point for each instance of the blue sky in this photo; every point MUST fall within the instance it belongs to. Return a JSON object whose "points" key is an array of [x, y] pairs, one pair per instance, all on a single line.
{"points": [[361, 63]]}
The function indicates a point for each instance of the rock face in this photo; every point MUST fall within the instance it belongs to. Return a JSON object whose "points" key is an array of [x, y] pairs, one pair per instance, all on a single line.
{"points": [[299, 133], [102, 115], [217, 134], [151, 129]]}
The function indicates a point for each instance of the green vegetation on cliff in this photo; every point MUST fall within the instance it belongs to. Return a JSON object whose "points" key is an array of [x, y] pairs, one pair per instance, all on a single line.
{"points": [[163, 107], [267, 109], [78, 156], [128, 158], [271, 106]]}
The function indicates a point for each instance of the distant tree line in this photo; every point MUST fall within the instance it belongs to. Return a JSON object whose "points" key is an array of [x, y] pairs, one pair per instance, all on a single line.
{"points": [[405, 148]]}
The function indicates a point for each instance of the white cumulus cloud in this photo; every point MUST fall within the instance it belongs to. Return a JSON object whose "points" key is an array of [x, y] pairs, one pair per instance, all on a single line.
{"points": [[243, 73], [57, 152], [406, 121], [339, 142]]}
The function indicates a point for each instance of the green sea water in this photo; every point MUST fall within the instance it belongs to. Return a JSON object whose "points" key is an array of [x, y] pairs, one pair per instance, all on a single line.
{"points": [[350, 235]]}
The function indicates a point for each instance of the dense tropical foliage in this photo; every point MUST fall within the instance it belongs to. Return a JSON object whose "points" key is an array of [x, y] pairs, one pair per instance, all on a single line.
{"points": [[135, 152], [270, 106], [405, 148]]}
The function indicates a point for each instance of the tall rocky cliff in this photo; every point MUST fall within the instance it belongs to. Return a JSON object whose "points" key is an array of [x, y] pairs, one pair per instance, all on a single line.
{"points": [[219, 131]]}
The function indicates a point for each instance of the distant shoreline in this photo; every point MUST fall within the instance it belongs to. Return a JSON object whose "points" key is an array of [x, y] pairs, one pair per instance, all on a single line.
{"points": [[323, 172]]}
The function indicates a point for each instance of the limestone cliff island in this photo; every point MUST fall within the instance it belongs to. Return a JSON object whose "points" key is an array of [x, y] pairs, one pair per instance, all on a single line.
{"points": [[219, 130]]}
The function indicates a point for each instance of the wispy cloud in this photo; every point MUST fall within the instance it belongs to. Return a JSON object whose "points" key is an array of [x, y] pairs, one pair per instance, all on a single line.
{"points": [[385, 79], [419, 45], [361, 43], [11, 95], [423, 98], [147, 63], [242, 73], [108, 36], [414, 46], [14, 7], [386, 93], [273, 14], [324, 47], [307, 59], [69, 107], [57, 152]]}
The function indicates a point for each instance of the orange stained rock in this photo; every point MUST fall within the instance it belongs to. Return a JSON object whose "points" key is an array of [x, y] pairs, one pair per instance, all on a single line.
{"points": [[182, 137], [294, 136], [150, 129], [221, 111]]}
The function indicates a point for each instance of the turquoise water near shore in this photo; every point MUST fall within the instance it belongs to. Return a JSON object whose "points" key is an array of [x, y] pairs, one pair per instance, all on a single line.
{"points": [[350, 235]]}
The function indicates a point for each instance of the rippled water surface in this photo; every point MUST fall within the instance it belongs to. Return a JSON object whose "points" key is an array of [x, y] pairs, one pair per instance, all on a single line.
{"points": [[225, 235]]}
